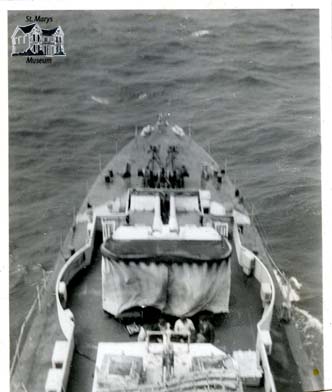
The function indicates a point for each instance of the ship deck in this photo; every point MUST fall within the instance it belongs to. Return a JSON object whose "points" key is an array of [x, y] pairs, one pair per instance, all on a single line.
{"points": [[233, 331], [236, 330], [136, 154]]}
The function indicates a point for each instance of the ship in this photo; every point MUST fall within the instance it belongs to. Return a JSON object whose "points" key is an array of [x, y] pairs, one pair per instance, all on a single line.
{"points": [[163, 235]]}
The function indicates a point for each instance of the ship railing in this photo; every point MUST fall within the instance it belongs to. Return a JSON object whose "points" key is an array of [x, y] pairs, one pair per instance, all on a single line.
{"points": [[262, 275], [283, 281], [264, 341], [79, 260], [64, 315]]}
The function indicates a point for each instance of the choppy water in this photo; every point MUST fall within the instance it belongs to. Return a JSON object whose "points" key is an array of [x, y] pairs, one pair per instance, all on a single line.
{"points": [[246, 81]]}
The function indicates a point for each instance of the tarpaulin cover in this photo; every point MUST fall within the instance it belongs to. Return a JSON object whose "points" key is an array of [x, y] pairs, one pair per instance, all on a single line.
{"points": [[176, 289], [198, 250]]}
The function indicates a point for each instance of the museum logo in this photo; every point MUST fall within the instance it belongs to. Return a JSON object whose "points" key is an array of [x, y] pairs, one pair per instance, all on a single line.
{"points": [[31, 40]]}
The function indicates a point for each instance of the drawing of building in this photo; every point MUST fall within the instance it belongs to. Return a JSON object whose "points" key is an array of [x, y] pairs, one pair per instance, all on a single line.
{"points": [[33, 40]]}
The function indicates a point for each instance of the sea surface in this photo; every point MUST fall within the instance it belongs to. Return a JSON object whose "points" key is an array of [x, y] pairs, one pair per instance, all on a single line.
{"points": [[246, 82]]}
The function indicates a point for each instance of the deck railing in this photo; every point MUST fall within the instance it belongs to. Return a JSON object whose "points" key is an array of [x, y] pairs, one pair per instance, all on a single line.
{"points": [[262, 275], [78, 261]]}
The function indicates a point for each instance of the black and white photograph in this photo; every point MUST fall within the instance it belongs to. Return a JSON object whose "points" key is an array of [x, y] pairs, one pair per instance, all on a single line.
{"points": [[165, 200]]}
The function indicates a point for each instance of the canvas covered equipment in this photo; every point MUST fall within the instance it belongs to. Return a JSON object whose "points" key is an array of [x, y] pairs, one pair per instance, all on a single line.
{"points": [[179, 289]]}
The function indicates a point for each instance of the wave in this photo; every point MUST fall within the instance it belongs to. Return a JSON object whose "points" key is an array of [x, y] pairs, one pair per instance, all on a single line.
{"points": [[308, 326], [100, 100], [306, 148], [284, 167], [201, 33], [141, 91], [163, 52], [286, 289], [311, 333], [306, 322], [274, 44], [70, 122], [254, 81], [34, 133], [17, 274], [263, 25], [222, 75], [38, 90], [142, 96], [151, 57]]}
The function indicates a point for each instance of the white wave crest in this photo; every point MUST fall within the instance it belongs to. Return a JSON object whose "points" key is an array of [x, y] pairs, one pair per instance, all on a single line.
{"points": [[102, 101], [142, 96], [295, 282], [201, 33], [308, 321], [287, 290]]}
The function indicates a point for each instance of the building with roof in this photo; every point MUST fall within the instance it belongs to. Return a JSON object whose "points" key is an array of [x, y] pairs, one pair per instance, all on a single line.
{"points": [[32, 40]]}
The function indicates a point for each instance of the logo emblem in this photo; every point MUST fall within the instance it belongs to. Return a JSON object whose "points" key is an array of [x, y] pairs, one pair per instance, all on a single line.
{"points": [[32, 40]]}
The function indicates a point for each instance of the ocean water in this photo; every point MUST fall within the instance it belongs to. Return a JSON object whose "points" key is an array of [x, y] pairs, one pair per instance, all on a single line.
{"points": [[246, 82]]}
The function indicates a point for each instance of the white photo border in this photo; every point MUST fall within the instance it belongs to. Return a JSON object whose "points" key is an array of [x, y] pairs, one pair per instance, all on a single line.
{"points": [[324, 7]]}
